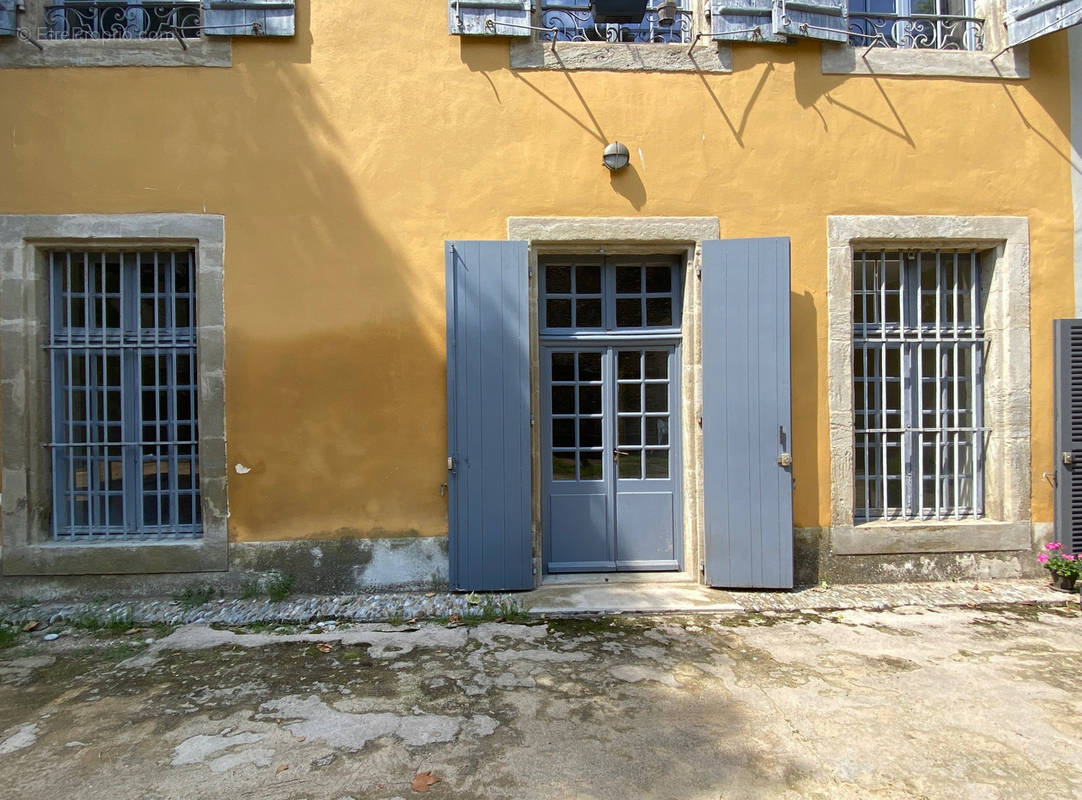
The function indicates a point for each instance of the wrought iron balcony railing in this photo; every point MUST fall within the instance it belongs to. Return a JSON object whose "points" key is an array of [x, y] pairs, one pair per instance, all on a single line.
{"points": [[916, 31], [97, 19], [574, 22]]}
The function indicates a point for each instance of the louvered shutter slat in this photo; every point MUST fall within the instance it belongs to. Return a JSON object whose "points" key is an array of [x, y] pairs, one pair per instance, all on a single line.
{"points": [[249, 17], [814, 19], [488, 17], [743, 21], [1029, 19]]}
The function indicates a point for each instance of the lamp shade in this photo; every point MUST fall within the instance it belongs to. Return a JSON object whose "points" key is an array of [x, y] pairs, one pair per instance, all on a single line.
{"points": [[615, 156]]}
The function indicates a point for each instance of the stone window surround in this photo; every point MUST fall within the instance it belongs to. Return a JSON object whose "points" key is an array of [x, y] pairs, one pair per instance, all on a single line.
{"points": [[28, 547], [679, 235], [206, 51], [1012, 64], [716, 56], [1005, 283]]}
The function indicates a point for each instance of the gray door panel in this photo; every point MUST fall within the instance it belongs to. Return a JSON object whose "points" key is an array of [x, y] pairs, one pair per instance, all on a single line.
{"points": [[747, 500], [488, 407]]}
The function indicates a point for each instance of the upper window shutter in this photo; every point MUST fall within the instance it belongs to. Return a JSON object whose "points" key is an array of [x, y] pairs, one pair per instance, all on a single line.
{"points": [[248, 17], [742, 21], [1028, 19], [816, 19], [488, 17], [7, 17]]}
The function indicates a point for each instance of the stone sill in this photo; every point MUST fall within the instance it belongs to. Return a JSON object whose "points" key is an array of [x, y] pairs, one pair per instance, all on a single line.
{"points": [[962, 536], [203, 52], [115, 558], [844, 60], [620, 57]]}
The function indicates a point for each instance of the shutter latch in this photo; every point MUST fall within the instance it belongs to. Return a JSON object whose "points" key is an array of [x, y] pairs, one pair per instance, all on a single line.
{"points": [[1068, 457]]}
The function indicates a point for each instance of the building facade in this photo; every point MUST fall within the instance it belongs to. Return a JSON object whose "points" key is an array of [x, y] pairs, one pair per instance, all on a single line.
{"points": [[347, 292]]}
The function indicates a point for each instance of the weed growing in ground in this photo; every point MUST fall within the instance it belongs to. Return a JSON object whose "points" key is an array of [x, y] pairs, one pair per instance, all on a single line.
{"points": [[195, 594], [113, 623], [122, 650], [250, 590], [279, 586], [505, 611], [25, 601], [8, 636]]}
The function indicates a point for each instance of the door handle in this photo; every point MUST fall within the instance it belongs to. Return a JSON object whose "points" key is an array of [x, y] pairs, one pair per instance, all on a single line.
{"points": [[617, 453]]}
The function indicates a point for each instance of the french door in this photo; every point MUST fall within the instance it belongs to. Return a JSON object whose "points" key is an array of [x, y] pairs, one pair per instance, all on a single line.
{"points": [[610, 457]]}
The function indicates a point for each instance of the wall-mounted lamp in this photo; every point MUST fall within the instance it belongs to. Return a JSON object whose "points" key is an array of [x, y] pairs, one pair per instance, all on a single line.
{"points": [[666, 14], [616, 156]]}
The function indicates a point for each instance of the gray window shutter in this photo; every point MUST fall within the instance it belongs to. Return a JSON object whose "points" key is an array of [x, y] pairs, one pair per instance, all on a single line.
{"points": [[742, 21], [1067, 434], [7, 17], [488, 411], [488, 17], [748, 489], [1029, 19], [816, 19], [248, 17]]}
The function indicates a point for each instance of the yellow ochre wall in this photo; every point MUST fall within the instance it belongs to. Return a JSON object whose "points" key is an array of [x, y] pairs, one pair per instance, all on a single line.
{"points": [[343, 158]]}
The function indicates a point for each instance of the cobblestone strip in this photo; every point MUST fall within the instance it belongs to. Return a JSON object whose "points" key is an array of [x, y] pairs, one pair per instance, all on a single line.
{"points": [[404, 607]]}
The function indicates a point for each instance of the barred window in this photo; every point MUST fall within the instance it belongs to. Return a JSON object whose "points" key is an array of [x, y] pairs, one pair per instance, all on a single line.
{"points": [[122, 344], [918, 349], [918, 24], [99, 19]]}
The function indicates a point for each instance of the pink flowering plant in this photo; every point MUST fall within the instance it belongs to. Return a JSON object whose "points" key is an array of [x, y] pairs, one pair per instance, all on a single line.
{"points": [[1055, 560]]}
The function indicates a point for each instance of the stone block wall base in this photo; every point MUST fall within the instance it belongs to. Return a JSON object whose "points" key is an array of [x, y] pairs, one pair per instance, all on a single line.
{"points": [[317, 566], [816, 562]]}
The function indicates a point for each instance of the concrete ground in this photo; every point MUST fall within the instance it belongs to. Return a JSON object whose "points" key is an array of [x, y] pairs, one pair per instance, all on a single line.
{"points": [[911, 703]]}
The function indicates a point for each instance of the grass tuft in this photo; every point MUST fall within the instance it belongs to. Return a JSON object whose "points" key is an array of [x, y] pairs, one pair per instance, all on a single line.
{"points": [[195, 594], [279, 586]]}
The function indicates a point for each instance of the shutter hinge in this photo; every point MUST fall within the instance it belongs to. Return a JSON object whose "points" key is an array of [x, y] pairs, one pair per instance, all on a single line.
{"points": [[531, 420], [702, 567], [699, 273]]}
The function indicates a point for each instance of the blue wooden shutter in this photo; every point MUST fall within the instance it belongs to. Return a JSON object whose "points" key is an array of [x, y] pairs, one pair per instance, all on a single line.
{"points": [[7, 17], [488, 17], [748, 498], [1067, 355], [488, 410], [815, 19], [1028, 19], [248, 17], [742, 21]]}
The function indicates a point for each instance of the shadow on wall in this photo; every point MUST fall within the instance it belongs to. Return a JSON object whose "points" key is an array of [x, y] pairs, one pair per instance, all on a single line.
{"points": [[805, 376], [335, 362]]}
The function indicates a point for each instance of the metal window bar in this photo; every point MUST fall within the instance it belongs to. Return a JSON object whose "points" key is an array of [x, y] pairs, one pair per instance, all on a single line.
{"points": [[122, 19], [124, 413], [916, 31], [918, 432], [573, 21]]}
